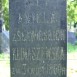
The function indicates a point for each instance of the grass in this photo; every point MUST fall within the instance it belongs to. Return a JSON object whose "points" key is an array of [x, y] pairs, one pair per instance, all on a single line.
{"points": [[4, 56], [71, 48], [4, 65], [72, 60]]}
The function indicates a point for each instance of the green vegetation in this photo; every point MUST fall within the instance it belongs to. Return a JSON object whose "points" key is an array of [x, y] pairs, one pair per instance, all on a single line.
{"points": [[4, 56], [71, 11], [5, 9], [71, 48]]}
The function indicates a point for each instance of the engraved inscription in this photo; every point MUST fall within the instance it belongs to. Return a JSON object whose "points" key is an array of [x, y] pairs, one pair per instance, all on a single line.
{"points": [[43, 17], [38, 53], [57, 34], [50, 69], [38, 38]]}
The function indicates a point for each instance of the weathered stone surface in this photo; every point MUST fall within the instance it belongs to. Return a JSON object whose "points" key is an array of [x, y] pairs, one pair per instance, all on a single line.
{"points": [[0, 36], [5, 41], [38, 38], [0, 25]]}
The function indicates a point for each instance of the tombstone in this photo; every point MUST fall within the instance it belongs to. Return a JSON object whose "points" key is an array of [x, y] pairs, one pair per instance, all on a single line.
{"points": [[5, 41], [71, 38], [0, 25], [38, 38], [0, 36]]}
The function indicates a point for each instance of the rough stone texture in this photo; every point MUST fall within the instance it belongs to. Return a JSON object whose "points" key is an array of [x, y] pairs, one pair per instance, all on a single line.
{"points": [[5, 41], [38, 40], [0, 42], [0, 35], [72, 38]]}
